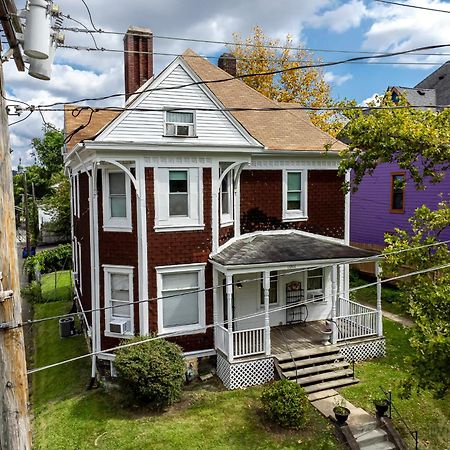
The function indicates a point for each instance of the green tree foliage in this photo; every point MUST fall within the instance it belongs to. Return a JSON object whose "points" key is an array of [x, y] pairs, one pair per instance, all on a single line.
{"points": [[51, 260], [417, 140], [48, 148], [285, 403], [152, 371], [427, 295], [307, 87]]}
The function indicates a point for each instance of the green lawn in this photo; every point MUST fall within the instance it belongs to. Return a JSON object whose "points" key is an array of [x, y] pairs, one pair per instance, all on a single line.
{"points": [[56, 286], [66, 416], [422, 412], [390, 296]]}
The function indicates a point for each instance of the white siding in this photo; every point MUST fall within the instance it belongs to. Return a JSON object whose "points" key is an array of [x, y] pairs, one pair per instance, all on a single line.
{"points": [[148, 126]]}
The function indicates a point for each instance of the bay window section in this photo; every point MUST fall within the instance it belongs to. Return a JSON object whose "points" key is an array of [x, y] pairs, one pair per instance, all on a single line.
{"points": [[118, 300], [226, 197], [181, 298], [178, 193], [116, 201]]}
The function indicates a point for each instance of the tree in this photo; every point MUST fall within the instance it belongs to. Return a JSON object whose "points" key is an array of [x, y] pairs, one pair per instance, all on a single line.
{"points": [[419, 142], [49, 147], [307, 87]]}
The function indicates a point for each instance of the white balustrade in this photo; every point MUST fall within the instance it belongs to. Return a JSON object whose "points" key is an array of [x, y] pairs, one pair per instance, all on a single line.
{"points": [[222, 339], [248, 342], [355, 320]]}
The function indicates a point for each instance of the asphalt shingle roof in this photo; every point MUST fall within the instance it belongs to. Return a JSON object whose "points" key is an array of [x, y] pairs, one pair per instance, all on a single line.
{"points": [[275, 248]]}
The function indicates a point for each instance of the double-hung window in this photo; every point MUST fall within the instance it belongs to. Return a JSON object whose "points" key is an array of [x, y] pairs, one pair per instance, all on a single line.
{"points": [[397, 192], [273, 289], [116, 201], [226, 198], [118, 300], [180, 123], [315, 285], [294, 194], [181, 298], [76, 195], [178, 199]]}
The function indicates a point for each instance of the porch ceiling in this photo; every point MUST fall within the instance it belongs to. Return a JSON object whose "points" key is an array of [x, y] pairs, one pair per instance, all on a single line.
{"points": [[287, 247]]}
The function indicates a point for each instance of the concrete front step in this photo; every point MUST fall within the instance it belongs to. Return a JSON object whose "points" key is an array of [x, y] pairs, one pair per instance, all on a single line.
{"points": [[320, 395], [298, 354], [333, 384], [320, 377], [371, 437], [311, 361], [386, 445], [299, 373]]}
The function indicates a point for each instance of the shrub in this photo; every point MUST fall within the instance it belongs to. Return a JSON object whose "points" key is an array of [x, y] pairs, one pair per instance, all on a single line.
{"points": [[152, 372], [33, 291], [285, 403], [52, 260]]}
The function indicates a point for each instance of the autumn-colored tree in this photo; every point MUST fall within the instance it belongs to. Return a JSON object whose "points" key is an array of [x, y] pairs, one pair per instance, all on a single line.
{"points": [[306, 87]]}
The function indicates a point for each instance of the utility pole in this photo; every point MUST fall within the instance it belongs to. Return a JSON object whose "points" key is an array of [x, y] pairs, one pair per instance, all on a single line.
{"points": [[15, 432]]}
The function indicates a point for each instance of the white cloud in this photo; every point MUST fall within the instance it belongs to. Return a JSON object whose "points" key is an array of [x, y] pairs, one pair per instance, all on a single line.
{"points": [[373, 98], [341, 18], [336, 80]]}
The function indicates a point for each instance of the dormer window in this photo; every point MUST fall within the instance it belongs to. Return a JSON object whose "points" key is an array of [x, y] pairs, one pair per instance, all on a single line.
{"points": [[180, 123]]}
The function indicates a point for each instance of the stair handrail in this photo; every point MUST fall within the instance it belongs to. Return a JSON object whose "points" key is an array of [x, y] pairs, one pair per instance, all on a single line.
{"points": [[414, 433]]}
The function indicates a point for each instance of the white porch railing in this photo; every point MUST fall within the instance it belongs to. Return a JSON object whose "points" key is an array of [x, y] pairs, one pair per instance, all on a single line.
{"points": [[248, 342], [354, 320], [222, 339]]}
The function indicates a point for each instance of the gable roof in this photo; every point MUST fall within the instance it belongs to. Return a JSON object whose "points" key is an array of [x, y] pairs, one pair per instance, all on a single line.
{"points": [[440, 81], [100, 118], [417, 97], [276, 130]]}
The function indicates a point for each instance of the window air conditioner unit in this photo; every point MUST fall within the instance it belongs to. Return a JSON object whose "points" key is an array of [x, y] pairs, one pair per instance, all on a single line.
{"points": [[174, 129], [119, 326]]}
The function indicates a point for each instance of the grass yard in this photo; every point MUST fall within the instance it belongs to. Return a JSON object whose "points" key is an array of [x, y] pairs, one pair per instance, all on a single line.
{"points": [[66, 416], [56, 286], [429, 416], [390, 296]]}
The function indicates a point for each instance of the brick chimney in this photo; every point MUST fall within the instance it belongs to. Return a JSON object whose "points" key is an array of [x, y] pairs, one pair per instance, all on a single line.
{"points": [[138, 58], [227, 62]]}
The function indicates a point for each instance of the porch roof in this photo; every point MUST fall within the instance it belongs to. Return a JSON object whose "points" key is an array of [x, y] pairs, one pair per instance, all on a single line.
{"points": [[287, 247]]}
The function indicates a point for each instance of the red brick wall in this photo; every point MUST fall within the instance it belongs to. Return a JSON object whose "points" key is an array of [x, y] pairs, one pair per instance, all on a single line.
{"points": [[261, 202], [117, 248], [225, 234], [182, 247]]}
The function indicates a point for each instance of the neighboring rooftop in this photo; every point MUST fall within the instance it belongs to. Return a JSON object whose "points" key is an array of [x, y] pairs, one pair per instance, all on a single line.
{"points": [[417, 97], [278, 129], [274, 248], [439, 80]]}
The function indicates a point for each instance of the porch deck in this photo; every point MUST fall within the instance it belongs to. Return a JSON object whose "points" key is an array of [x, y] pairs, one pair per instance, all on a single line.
{"points": [[285, 338]]}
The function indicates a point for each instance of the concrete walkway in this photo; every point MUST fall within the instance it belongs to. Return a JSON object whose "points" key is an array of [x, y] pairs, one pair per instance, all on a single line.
{"points": [[399, 319], [363, 426]]}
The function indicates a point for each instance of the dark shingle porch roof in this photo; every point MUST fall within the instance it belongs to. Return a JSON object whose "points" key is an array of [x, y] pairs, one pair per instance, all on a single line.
{"points": [[278, 248]]}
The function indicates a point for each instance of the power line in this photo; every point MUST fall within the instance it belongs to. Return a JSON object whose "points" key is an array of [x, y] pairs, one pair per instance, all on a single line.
{"points": [[412, 6], [114, 50], [181, 333], [229, 43], [349, 261], [244, 76]]}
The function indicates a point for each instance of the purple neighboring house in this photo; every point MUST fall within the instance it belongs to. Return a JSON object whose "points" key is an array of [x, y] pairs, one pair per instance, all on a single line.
{"points": [[380, 206]]}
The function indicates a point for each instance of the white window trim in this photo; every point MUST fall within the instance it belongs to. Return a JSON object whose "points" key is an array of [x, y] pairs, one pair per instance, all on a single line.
{"points": [[299, 214], [76, 195], [75, 259], [108, 270], [200, 269], [165, 223], [121, 224], [227, 219], [194, 124], [79, 271]]}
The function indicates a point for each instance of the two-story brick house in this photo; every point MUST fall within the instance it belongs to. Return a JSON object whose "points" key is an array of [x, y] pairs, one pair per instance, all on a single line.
{"points": [[212, 216]]}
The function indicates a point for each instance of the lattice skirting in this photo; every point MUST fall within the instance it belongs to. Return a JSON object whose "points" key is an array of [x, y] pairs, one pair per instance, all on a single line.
{"points": [[243, 374], [359, 351]]}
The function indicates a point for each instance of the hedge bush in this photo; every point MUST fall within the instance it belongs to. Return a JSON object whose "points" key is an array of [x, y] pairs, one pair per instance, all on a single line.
{"points": [[285, 403], [52, 260], [152, 372]]}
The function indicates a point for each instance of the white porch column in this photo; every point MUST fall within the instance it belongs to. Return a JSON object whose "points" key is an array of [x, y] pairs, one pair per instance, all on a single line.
{"points": [[334, 299], [215, 277], [379, 312], [229, 282], [266, 287]]}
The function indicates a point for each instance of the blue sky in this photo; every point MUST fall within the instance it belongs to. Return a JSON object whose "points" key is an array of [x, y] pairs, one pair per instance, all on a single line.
{"points": [[359, 25]]}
